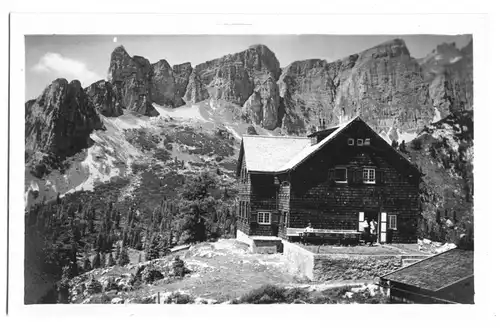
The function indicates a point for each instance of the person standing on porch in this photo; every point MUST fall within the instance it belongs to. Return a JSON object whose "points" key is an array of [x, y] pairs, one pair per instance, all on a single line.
{"points": [[373, 232], [366, 230]]}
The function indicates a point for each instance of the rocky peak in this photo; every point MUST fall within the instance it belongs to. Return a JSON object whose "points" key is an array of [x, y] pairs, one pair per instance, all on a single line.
{"points": [[60, 120], [131, 77], [105, 98], [390, 49]]}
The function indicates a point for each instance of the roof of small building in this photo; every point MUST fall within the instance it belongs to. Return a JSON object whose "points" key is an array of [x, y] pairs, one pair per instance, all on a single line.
{"points": [[436, 272]]}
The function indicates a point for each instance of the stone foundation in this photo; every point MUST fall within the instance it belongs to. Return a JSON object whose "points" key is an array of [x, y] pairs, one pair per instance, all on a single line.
{"points": [[353, 267]]}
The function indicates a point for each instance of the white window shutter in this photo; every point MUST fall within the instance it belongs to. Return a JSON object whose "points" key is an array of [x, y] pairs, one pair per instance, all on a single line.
{"points": [[383, 227], [361, 220]]}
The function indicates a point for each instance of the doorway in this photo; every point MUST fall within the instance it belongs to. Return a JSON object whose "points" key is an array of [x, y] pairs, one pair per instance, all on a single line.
{"points": [[373, 216]]}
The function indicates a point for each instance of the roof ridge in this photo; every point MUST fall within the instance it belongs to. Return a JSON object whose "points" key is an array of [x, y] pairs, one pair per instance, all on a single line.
{"points": [[273, 137]]}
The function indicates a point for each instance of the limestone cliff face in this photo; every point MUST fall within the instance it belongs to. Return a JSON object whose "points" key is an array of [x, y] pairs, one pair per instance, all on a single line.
{"points": [[384, 85], [132, 77], [195, 90], [262, 107], [105, 98], [450, 74], [168, 85], [242, 78], [60, 120]]}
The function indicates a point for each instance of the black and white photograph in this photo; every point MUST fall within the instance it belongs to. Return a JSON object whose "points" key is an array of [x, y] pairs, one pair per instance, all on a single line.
{"points": [[254, 168]]}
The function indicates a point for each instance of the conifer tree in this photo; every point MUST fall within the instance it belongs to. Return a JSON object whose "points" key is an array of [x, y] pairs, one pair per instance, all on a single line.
{"points": [[86, 265], [124, 258], [111, 260], [96, 261], [153, 251]]}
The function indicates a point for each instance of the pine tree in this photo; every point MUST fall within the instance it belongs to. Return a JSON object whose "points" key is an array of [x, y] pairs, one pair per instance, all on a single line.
{"points": [[96, 261], [86, 265], [118, 253], [111, 260], [124, 259], [154, 249], [140, 258]]}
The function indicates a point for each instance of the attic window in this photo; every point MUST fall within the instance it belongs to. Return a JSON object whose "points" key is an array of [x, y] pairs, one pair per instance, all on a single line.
{"points": [[367, 141], [360, 142], [350, 142]]}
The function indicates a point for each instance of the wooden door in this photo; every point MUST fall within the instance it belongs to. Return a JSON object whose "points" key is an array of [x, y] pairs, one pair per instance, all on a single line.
{"points": [[383, 228]]}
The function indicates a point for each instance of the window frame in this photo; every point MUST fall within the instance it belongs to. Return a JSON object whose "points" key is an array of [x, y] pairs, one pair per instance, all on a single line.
{"points": [[391, 217], [360, 142], [264, 214], [350, 142], [332, 176], [367, 141], [369, 181], [285, 219]]}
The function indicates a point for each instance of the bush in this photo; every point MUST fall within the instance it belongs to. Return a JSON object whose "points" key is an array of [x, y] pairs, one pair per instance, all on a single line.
{"points": [[266, 294], [178, 298], [150, 274], [417, 144], [179, 268], [94, 286]]}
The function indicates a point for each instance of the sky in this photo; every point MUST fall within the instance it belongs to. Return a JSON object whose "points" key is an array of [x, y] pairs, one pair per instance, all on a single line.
{"points": [[86, 58]]}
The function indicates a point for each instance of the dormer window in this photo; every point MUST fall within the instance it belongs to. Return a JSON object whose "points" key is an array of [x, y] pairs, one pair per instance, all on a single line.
{"points": [[361, 142], [350, 142]]}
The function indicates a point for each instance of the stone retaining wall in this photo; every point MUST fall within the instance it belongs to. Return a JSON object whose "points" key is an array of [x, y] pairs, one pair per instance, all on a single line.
{"points": [[301, 261], [353, 267]]}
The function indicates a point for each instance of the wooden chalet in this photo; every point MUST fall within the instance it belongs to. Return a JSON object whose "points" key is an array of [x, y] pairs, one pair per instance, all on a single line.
{"points": [[333, 180], [445, 278]]}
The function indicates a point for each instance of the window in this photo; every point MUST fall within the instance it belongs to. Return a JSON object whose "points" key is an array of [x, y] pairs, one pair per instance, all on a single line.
{"points": [[360, 142], [285, 219], [264, 217], [368, 175], [367, 141], [338, 174], [393, 222], [350, 142]]}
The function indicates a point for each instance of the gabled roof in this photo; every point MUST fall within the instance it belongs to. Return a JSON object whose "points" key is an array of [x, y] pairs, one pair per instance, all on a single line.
{"points": [[436, 272], [269, 153]]}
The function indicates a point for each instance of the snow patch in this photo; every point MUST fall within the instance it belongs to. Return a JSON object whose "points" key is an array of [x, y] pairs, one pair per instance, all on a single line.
{"points": [[455, 59], [437, 115], [183, 113]]}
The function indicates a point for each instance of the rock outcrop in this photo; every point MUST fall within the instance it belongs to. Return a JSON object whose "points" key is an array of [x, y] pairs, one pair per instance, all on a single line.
{"points": [[60, 121], [105, 98]]}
